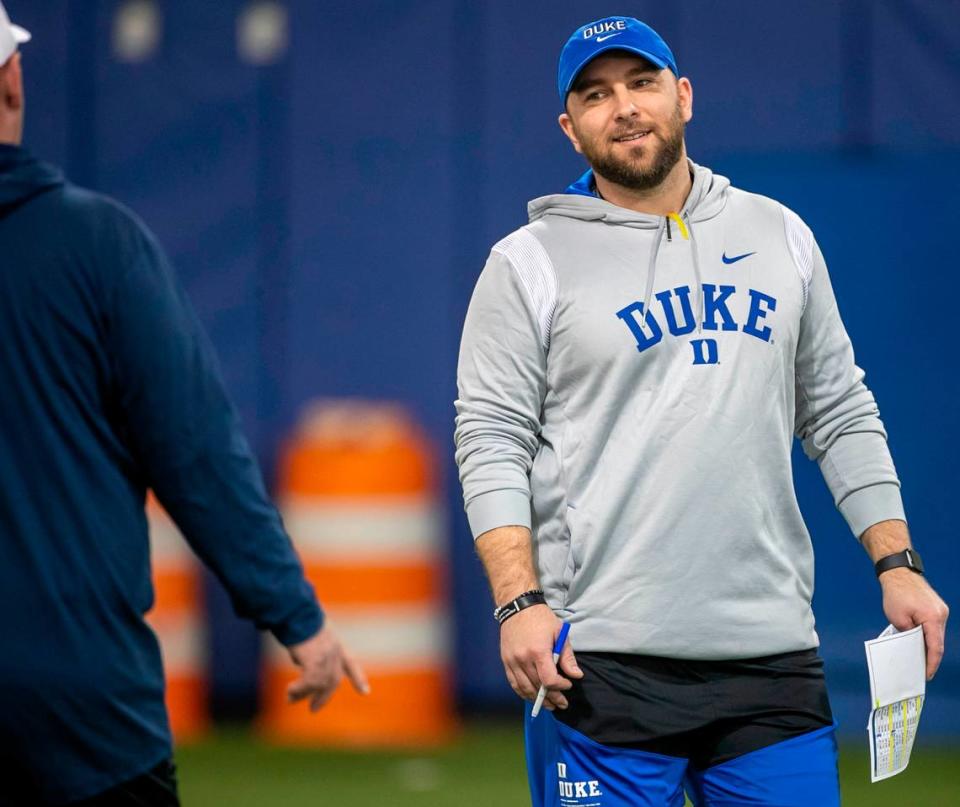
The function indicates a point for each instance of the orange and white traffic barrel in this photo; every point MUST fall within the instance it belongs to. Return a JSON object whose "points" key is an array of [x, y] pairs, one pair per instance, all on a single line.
{"points": [[359, 497], [178, 619]]}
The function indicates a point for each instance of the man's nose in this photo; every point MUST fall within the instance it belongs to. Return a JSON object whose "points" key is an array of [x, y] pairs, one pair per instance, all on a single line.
{"points": [[626, 108]]}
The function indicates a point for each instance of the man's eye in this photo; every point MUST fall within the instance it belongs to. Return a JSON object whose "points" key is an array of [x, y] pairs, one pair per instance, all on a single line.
{"points": [[594, 96], [641, 82]]}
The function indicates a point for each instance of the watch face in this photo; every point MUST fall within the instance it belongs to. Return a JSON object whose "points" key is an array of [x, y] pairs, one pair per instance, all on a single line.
{"points": [[914, 560]]}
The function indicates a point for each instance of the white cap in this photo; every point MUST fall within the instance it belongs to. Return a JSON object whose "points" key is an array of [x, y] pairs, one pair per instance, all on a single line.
{"points": [[10, 36]]}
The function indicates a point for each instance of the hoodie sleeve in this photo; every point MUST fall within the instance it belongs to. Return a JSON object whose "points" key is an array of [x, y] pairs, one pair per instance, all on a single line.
{"points": [[186, 440], [501, 379], [837, 418]]}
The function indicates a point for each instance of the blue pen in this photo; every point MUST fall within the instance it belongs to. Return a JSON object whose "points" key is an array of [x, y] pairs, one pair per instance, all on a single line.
{"points": [[557, 650]]}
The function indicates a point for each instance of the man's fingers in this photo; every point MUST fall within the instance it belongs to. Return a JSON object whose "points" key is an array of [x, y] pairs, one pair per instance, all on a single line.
{"points": [[523, 685], [313, 686], [556, 699], [318, 699], [318, 693], [902, 622], [933, 637], [547, 674], [298, 690], [568, 662], [518, 680], [356, 674], [525, 648], [323, 662], [528, 687]]}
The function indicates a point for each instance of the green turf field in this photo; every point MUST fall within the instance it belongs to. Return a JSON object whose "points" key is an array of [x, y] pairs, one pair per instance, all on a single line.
{"points": [[483, 769]]}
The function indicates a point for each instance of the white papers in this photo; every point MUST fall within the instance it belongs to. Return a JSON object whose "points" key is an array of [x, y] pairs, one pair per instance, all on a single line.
{"points": [[897, 664]]}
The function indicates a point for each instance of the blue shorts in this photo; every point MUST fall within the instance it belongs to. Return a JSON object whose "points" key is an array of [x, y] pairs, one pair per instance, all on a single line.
{"points": [[568, 769]]}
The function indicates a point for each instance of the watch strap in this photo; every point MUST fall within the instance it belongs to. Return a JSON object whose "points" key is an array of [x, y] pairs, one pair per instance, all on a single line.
{"points": [[909, 558]]}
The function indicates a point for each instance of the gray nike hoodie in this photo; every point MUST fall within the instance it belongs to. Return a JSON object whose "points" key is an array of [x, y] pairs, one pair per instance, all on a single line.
{"points": [[629, 388]]}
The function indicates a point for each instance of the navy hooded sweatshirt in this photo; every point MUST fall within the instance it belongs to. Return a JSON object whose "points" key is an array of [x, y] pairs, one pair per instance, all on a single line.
{"points": [[108, 386]]}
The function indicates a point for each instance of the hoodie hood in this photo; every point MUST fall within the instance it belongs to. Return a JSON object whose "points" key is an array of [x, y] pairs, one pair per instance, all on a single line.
{"points": [[22, 177], [707, 198]]}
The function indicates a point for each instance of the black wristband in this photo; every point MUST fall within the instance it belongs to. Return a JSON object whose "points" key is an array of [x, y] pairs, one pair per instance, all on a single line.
{"points": [[909, 558], [517, 604]]}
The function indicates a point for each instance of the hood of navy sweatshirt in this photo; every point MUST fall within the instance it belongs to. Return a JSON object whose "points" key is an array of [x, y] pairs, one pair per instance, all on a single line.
{"points": [[22, 177]]}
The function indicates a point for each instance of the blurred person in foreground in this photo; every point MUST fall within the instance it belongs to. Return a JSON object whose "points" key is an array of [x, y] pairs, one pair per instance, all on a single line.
{"points": [[110, 387], [634, 367]]}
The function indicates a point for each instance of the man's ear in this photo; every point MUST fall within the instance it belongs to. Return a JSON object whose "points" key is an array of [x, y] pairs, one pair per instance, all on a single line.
{"points": [[566, 123], [685, 97], [11, 84]]}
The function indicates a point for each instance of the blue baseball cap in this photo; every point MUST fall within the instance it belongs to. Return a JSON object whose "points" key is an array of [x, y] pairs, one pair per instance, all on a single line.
{"points": [[610, 33]]}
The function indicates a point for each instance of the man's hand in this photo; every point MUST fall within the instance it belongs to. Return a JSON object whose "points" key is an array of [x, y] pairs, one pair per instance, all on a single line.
{"points": [[526, 638], [323, 662], [526, 648], [908, 601]]}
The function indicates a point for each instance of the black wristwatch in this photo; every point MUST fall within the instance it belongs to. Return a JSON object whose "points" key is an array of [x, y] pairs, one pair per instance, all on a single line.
{"points": [[909, 558]]}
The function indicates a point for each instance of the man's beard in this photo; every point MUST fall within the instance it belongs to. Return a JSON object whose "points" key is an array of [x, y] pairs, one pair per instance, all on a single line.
{"points": [[628, 171]]}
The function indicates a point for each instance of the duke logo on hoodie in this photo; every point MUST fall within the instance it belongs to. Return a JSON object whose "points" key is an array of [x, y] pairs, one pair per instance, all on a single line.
{"points": [[647, 330]]}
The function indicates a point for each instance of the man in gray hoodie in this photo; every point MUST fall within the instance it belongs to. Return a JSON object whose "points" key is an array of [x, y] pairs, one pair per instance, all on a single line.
{"points": [[635, 364]]}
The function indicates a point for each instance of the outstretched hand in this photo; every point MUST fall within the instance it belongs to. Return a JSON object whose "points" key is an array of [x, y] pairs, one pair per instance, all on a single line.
{"points": [[526, 649], [908, 601], [323, 662]]}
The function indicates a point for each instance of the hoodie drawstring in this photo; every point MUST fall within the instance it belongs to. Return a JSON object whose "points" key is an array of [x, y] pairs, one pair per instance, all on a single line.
{"points": [[696, 273], [686, 230], [651, 271]]}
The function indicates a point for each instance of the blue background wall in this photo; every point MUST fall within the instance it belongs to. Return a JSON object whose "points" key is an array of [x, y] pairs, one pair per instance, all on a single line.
{"points": [[329, 214]]}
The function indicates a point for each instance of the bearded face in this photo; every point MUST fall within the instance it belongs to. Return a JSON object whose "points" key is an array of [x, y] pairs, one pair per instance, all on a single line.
{"points": [[627, 117], [636, 156]]}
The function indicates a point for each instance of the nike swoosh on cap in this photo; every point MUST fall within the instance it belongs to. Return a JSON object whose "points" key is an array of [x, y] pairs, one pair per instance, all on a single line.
{"points": [[608, 36], [737, 258]]}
